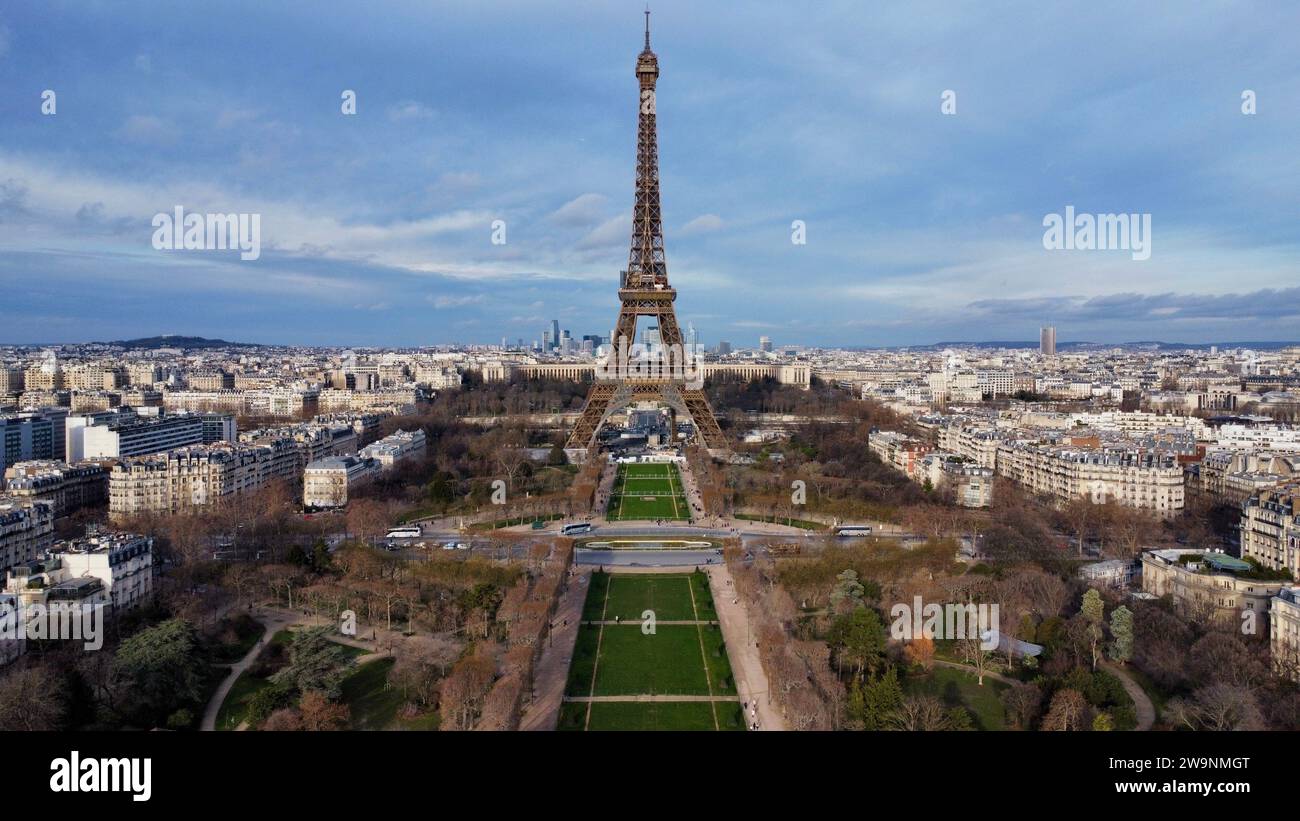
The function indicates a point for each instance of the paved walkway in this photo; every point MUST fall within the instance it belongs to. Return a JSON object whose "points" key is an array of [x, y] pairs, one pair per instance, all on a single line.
{"points": [[1146, 711], [552, 673], [742, 650], [274, 622]]}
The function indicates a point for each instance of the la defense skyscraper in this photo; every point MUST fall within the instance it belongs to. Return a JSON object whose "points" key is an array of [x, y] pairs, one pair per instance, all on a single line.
{"points": [[644, 291]]}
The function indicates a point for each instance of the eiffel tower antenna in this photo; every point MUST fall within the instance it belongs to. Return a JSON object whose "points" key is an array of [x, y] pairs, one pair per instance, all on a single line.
{"points": [[644, 291]]}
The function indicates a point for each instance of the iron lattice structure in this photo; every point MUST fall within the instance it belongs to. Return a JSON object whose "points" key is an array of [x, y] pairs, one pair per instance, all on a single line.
{"points": [[644, 291]]}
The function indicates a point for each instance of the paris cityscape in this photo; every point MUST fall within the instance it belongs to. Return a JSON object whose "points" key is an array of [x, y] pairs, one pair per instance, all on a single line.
{"points": [[403, 421]]}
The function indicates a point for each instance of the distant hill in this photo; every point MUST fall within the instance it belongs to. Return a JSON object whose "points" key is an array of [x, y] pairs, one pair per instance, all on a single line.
{"points": [[182, 342]]}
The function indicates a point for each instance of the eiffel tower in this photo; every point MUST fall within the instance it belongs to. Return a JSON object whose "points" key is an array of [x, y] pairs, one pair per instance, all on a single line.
{"points": [[644, 291]]}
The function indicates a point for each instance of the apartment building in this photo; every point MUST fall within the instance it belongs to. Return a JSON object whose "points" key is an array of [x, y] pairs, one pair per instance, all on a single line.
{"points": [[67, 488], [395, 449], [26, 530], [1207, 585], [1147, 480], [197, 476], [122, 561], [326, 482], [1270, 528], [1284, 632], [314, 440], [33, 434]]}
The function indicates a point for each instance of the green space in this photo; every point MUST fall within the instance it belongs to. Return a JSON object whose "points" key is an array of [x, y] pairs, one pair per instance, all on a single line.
{"points": [[674, 660], [958, 688], [802, 524], [665, 662], [234, 710], [668, 597], [655, 715], [648, 491]]}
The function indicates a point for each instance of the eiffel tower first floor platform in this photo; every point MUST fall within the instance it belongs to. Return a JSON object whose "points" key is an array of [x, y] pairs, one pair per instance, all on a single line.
{"points": [[609, 397]]}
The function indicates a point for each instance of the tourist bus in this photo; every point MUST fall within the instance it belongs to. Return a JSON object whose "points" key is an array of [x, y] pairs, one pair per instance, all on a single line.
{"points": [[575, 529], [403, 532], [849, 531]]}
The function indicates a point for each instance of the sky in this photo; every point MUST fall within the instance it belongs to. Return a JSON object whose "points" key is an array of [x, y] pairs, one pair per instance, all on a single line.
{"points": [[921, 226]]}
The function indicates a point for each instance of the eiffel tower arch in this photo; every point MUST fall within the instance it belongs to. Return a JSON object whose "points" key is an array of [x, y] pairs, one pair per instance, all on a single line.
{"points": [[644, 292]]}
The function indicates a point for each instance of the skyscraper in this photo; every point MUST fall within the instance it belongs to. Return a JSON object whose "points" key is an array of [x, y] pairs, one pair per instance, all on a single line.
{"points": [[765, 344], [555, 332], [1047, 340]]}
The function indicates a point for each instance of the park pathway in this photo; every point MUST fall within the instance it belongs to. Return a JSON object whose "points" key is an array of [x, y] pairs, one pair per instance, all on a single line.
{"points": [[1146, 711], [746, 667], [274, 622], [552, 673]]}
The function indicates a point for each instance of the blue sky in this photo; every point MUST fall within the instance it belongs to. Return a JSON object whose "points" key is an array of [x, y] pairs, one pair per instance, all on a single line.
{"points": [[921, 227]]}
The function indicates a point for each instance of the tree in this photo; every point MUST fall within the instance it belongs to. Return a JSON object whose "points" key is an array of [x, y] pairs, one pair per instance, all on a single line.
{"points": [[315, 663], [1068, 711], [975, 654], [878, 699], [1103, 723], [421, 663], [920, 652], [320, 713], [1217, 707], [285, 719], [1093, 611], [926, 714], [1022, 702], [1121, 631], [858, 638], [847, 589], [31, 699], [159, 670]]}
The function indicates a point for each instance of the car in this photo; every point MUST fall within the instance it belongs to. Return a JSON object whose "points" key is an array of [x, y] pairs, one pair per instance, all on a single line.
{"points": [[449, 546], [462, 546]]}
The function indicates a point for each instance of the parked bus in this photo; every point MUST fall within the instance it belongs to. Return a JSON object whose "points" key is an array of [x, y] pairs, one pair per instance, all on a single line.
{"points": [[404, 532], [849, 531], [573, 530]]}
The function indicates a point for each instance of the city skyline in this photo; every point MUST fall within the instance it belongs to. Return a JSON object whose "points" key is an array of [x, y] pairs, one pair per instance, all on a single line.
{"points": [[921, 227]]}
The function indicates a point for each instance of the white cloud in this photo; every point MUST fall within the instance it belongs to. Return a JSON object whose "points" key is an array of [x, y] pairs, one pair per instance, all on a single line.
{"points": [[408, 110], [703, 224], [581, 211]]}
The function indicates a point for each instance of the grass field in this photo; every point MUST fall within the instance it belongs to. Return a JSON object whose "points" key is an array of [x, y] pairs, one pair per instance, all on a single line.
{"points": [[960, 688], [648, 491], [673, 660], [654, 715]]}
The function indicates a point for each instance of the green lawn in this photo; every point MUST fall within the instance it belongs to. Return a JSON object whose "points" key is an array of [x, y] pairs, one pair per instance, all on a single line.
{"points": [[669, 597], [674, 660], [648, 491], [594, 604], [663, 715], [958, 688], [374, 704], [666, 662]]}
